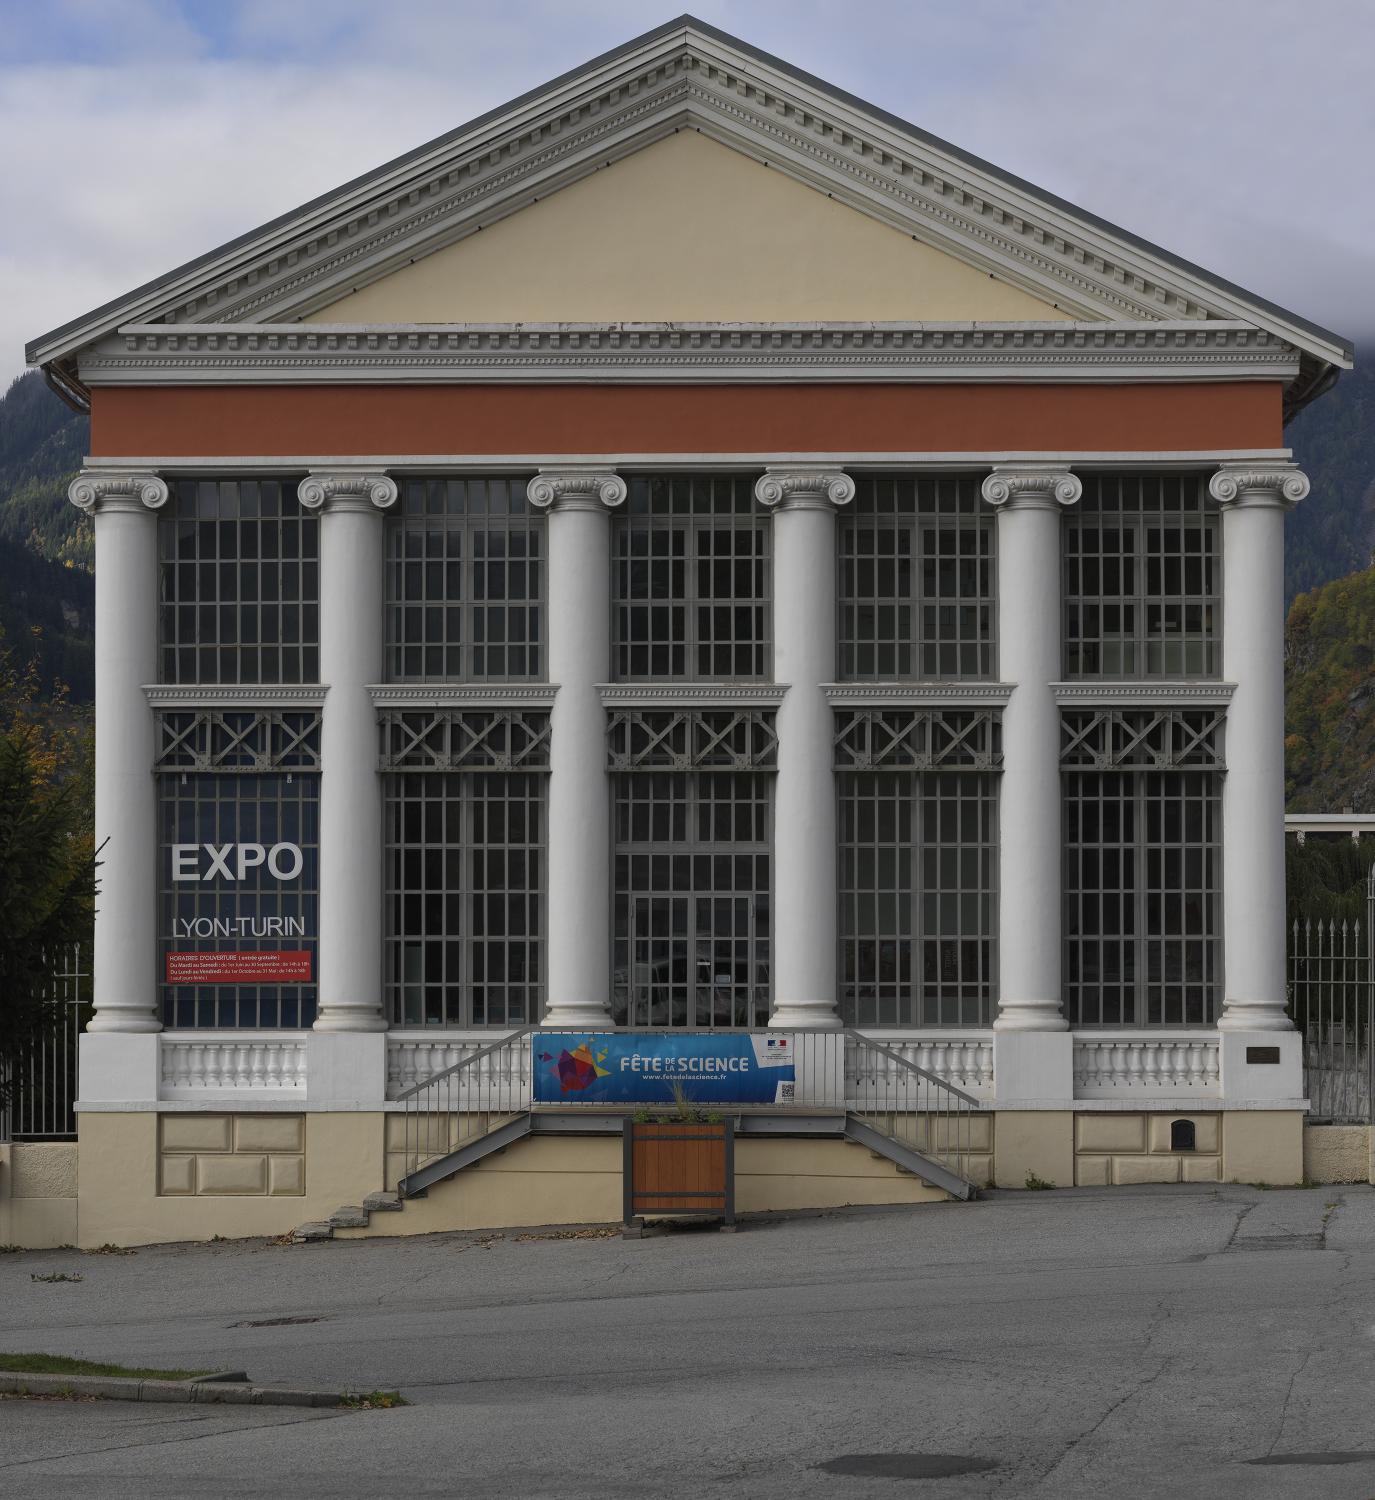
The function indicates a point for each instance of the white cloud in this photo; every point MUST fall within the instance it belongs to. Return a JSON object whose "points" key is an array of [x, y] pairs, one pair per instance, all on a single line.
{"points": [[1235, 132]]}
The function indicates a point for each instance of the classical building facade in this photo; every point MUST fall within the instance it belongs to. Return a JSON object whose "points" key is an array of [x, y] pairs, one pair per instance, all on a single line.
{"points": [[685, 550]]}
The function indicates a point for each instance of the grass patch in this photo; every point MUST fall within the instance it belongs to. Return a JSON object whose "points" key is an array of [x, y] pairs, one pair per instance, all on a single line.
{"points": [[56, 1276], [1035, 1184], [61, 1364], [372, 1400]]}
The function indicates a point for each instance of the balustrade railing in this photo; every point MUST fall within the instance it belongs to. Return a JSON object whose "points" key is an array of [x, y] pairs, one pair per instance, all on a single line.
{"points": [[268, 1063], [1111, 1067]]}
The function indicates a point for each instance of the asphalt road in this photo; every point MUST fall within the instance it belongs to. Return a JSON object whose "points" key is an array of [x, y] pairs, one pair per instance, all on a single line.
{"points": [[1155, 1342]]}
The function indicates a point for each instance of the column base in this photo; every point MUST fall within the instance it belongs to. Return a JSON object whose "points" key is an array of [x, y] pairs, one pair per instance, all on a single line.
{"points": [[346, 1070], [131, 1021], [577, 1018], [804, 1018], [1243, 1015], [350, 1020], [1261, 1069], [1030, 1015]]}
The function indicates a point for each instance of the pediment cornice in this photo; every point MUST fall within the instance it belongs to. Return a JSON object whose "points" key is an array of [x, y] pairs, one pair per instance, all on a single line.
{"points": [[684, 76]]}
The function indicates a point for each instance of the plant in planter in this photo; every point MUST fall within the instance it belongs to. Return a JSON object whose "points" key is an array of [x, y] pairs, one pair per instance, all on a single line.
{"points": [[683, 1163]]}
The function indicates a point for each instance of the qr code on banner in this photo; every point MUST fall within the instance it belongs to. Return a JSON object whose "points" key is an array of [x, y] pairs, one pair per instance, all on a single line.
{"points": [[785, 1092]]}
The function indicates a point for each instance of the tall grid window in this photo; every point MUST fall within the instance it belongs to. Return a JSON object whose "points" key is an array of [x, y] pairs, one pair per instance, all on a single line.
{"points": [[918, 842], [224, 912], [690, 580], [1142, 576], [239, 583], [691, 866], [464, 883], [464, 892], [465, 582], [916, 579], [1142, 860]]}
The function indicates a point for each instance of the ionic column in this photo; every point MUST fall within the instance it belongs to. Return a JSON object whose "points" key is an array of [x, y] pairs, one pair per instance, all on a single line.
{"points": [[124, 508], [350, 504], [1029, 499], [1254, 499], [804, 504], [578, 963]]}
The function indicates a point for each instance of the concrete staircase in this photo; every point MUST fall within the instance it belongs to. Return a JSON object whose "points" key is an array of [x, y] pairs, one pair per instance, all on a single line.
{"points": [[348, 1217]]}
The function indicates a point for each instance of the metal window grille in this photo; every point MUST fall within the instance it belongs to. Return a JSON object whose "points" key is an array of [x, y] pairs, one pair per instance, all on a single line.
{"points": [[237, 740], [454, 739], [240, 584], [257, 913], [692, 868], [679, 739], [1152, 739], [1142, 577], [42, 1079], [691, 580], [918, 897], [1141, 897], [918, 739], [465, 582], [464, 898], [917, 586]]}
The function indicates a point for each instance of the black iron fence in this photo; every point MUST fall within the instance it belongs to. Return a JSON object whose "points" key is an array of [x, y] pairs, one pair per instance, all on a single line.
{"points": [[42, 1079], [1332, 999]]}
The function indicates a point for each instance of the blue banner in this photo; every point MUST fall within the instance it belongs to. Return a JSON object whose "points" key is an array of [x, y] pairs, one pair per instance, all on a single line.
{"points": [[607, 1067]]}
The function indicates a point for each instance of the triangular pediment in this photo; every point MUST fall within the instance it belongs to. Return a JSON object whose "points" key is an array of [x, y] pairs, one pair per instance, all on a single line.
{"points": [[688, 229], [576, 202]]}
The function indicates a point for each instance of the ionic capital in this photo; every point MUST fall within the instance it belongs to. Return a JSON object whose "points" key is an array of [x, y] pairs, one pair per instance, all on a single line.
{"points": [[106, 490], [1242, 484], [347, 489], [576, 489], [804, 489], [1032, 487]]}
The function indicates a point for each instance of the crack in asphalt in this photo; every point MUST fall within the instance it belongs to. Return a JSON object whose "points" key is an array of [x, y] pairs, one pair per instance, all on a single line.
{"points": [[1288, 1397]]}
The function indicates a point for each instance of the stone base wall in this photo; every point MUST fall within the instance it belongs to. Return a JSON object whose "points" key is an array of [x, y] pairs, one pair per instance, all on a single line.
{"points": [[1338, 1153]]}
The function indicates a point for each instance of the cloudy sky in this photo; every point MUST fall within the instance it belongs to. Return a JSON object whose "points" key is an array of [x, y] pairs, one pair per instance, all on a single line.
{"points": [[139, 133]]}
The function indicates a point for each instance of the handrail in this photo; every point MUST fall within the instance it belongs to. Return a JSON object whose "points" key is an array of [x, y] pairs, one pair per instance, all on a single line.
{"points": [[465, 1062], [911, 1067]]}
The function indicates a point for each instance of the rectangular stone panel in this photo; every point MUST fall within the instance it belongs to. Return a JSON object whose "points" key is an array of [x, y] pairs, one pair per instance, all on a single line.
{"points": [[286, 1176], [1201, 1168], [1109, 1132], [178, 1177], [279, 1133], [1132, 1169], [1092, 1171], [1207, 1132], [233, 1176], [195, 1133]]}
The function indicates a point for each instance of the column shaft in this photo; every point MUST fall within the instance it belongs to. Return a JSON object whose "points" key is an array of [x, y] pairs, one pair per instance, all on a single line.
{"points": [[805, 959], [1253, 898], [126, 923], [578, 963], [1029, 502], [351, 618]]}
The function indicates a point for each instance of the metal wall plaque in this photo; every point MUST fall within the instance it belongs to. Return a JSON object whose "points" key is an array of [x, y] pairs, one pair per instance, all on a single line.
{"points": [[1262, 1054]]}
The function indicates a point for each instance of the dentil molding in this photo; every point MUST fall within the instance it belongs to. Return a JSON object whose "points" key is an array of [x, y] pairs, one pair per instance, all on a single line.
{"points": [[97, 489]]}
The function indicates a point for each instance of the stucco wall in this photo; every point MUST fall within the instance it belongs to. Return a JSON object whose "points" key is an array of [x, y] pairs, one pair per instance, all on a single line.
{"points": [[687, 230], [1337, 1153]]}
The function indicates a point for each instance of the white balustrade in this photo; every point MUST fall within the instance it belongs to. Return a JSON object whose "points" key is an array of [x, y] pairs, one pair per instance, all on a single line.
{"points": [[1140, 1067], [191, 1067], [413, 1059], [964, 1061]]}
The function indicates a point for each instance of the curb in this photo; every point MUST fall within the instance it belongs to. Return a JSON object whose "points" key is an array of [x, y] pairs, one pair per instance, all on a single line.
{"points": [[228, 1388]]}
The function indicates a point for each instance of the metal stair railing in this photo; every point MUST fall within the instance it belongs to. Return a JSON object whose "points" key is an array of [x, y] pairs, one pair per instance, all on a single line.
{"points": [[918, 1112], [479, 1096]]}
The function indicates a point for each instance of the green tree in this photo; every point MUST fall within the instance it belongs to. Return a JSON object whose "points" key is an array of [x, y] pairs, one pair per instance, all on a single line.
{"points": [[47, 865]]}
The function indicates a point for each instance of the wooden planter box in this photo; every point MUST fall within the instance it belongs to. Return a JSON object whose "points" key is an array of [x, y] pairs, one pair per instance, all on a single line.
{"points": [[681, 1168]]}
